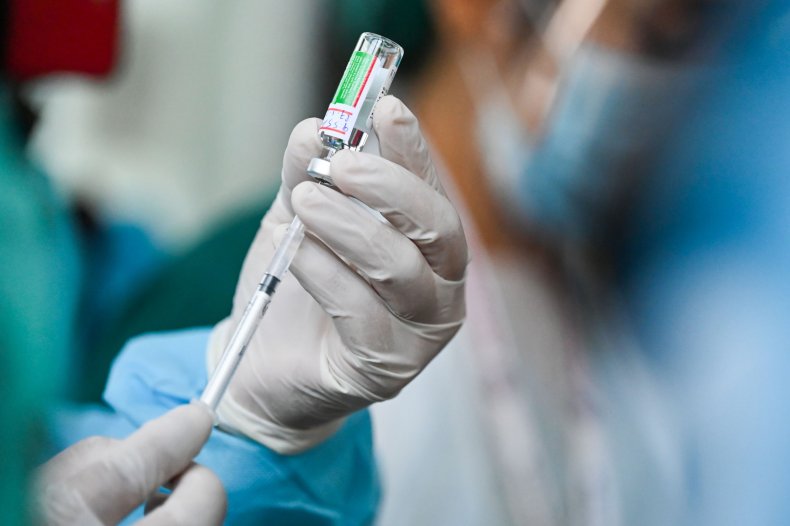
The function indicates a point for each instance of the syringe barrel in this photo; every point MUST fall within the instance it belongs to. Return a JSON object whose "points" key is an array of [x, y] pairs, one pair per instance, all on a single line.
{"points": [[286, 250], [234, 350]]}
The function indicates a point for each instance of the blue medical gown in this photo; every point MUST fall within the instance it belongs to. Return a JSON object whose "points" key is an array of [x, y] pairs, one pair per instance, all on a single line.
{"points": [[707, 282], [334, 483]]}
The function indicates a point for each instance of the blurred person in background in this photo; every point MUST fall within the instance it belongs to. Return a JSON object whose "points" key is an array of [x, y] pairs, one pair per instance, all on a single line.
{"points": [[701, 263], [547, 118]]}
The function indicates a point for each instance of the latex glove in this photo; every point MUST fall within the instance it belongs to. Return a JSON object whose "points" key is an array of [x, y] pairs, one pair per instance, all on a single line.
{"points": [[374, 302], [101, 480]]}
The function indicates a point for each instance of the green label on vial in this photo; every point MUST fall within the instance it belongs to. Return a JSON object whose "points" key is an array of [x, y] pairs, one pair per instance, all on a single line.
{"points": [[353, 79]]}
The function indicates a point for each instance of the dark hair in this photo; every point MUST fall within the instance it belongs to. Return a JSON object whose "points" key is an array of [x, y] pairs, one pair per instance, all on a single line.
{"points": [[5, 17], [24, 118]]}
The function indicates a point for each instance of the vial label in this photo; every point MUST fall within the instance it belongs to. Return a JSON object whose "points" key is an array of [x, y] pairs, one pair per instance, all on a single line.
{"points": [[342, 115], [379, 88]]}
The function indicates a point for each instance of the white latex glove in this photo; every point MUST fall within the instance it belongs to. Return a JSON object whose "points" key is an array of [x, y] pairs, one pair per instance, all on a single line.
{"points": [[371, 303], [101, 480]]}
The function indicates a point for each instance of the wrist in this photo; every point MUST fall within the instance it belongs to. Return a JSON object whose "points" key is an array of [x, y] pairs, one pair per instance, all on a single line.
{"points": [[234, 418]]}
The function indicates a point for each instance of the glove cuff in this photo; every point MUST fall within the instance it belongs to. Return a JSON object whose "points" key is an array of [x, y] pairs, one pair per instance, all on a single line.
{"points": [[235, 418]]}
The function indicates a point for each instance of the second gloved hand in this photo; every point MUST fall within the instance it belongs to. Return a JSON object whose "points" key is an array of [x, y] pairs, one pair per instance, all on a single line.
{"points": [[367, 304], [100, 480]]}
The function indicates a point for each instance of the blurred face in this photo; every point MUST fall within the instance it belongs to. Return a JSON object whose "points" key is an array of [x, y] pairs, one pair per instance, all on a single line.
{"points": [[514, 55], [519, 48], [498, 44], [512, 34], [532, 41]]}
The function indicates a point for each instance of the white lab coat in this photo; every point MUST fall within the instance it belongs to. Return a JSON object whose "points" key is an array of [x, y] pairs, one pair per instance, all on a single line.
{"points": [[515, 423], [435, 448]]}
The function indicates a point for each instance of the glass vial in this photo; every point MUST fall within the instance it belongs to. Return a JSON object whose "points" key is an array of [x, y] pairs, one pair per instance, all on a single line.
{"points": [[349, 118]]}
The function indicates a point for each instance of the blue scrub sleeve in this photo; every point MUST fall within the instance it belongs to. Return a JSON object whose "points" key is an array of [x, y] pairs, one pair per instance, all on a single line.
{"points": [[332, 484]]}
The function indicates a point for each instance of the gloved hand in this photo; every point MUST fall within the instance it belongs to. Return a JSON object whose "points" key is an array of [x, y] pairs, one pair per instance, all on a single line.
{"points": [[372, 303], [101, 480]]}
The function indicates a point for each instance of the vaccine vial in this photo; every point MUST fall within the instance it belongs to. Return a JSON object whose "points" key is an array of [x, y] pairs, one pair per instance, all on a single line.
{"points": [[349, 118]]}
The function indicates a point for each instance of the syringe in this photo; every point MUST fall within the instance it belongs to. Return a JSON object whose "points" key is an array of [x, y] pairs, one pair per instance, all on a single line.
{"points": [[346, 125]]}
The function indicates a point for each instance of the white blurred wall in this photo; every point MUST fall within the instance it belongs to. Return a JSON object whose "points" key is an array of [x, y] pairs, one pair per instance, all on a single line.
{"points": [[194, 122]]}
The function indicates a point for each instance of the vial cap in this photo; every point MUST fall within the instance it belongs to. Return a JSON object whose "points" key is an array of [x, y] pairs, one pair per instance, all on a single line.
{"points": [[319, 169]]}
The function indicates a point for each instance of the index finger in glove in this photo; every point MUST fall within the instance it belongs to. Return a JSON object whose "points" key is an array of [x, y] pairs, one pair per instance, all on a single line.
{"points": [[410, 204], [388, 260], [402, 142], [303, 144], [150, 457]]}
